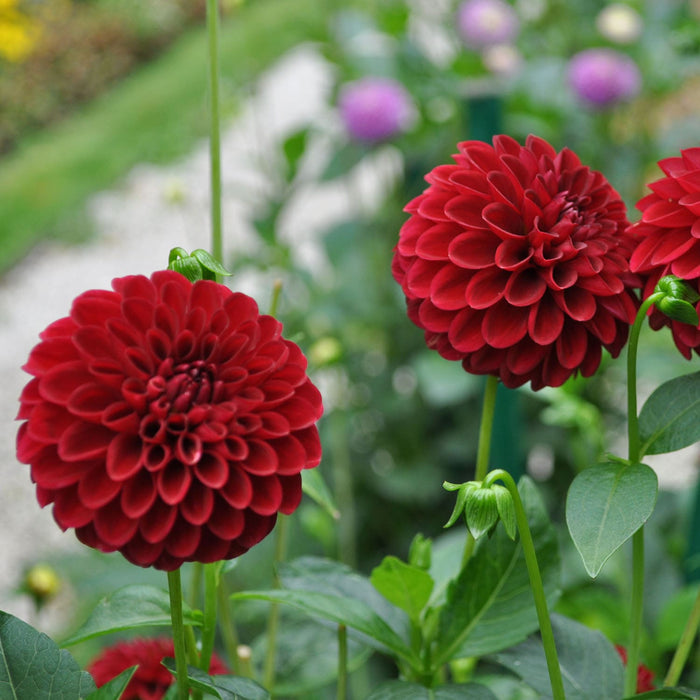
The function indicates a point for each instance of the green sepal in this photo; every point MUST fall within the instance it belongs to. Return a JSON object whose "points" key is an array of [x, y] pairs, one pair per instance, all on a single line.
{"points": [[462, 490], [196, 266], [481, 511], [678, 301], [420, 552], [506, 509]]}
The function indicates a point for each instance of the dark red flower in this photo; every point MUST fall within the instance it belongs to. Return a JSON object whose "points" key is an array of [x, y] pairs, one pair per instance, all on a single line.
{"points": [[669, 238], [645, 676], [151, 679], [168, 420], [514, 261]]}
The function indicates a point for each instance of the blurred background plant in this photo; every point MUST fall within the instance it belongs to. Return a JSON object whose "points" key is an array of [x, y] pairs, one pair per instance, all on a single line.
{"points": [[615, 82]]}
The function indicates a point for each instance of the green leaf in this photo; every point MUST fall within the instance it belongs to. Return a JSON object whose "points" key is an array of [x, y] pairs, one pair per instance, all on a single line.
{"points": [[420, 552], [605, 506], [130, 607], [489, 604], [343, 611], [112, 690], [343, 161], [223, 687], [314, 486], [674, 616], [670, 418], [209, 262], [294, 147], [591, 668], [403, 690], [32, 667], [406, 586], [332, 577]]}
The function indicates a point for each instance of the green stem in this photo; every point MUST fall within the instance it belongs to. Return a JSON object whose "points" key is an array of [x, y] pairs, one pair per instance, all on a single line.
{"points": [[228, 628], [342, 662], [273, 619], [214, 128], [195, 584], [211, 580], [483, 451], [275, 300], [486, 428], [634, 455], [175, 588], [684, 645], [533, 570]]}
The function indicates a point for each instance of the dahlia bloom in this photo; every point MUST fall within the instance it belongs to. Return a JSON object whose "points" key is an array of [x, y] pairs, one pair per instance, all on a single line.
{"points": [[168, 420], [604, 77], [375, 109], [645, 676], [485, 23], [668, 238], [151, 679], [514, 261]]}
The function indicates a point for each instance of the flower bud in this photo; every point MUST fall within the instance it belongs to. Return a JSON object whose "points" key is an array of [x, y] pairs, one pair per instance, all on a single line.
{"points": [[604, 77], [483, 506], [678, 300], [481, 511], [375, 109], [619, 23], [42, 583], [195, 266], [484, 23], [420, 552]]}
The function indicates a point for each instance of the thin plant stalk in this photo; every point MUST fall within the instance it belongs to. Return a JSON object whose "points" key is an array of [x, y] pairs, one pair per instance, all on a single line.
{"points": [[175, 590], [273, 619], [211, 581], [214, 129], [533, 570], [483, 453], [228, 628], [342, 663], [684, 645], [634, 455]]}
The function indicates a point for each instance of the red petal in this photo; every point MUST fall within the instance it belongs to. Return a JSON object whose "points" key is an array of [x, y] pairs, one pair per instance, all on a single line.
{"points": [[513, 254], [183, 539], [504, 221], [50, 472], [62, 380], [267, 494], [173, 482], [238, 490], [525, 356], [420, 276], [435, 242], [505, 325], [212, 470], [688, 266], [474, 250], [93, 307], [124, 456], [91, 400], [112, 526], [48, 354], [291, 493], [156, 523], [667, 215], [96, 489], [69, 510], [577, 303], [84, 441], [291, 455], [226, 522], [486, 287], [94, 342], [545, 321], [261, 459], [48, 422], [433, 319], [138, 495], [311, 441], [465, 331], [524, 288], [447, 290], [197, 506], [572, 345]]}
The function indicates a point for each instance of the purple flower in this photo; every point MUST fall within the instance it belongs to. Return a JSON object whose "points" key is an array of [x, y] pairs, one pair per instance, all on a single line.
{"points": [[484, 23], [602, 77], [375, 109]]}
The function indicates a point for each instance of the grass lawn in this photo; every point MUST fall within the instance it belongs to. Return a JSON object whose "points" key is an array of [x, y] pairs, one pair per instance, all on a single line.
{"points": [[154, 115]]}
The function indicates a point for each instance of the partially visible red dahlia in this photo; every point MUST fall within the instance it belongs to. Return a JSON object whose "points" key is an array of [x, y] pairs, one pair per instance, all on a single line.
{"points": [[645, 676], [669, 238], [514, 261], [151, 679], [168, 420]]}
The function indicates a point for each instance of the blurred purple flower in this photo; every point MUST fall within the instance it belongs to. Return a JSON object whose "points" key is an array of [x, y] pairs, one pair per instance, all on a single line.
{"points": [[603, 77], [375, 109], [484, 23]]}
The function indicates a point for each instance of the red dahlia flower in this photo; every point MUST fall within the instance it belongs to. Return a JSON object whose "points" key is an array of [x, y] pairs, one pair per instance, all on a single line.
{"points": [[514, 261], [645, 676], [168, 420], [669, 238], [151, 679]]}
